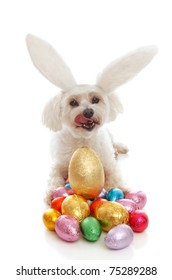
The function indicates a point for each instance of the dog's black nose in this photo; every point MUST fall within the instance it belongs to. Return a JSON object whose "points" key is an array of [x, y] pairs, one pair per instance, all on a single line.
{"points": [[88, 113]]}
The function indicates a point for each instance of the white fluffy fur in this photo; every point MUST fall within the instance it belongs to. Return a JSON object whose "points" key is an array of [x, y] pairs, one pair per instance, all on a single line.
{"points": [[49, 63], [59, 115], [123, 69]]}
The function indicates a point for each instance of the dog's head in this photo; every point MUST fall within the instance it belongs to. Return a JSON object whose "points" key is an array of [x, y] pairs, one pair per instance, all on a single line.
{"points": [[84, 108]]}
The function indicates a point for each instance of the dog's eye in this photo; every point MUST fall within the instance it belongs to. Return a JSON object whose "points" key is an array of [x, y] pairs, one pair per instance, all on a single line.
{"points": [[74, 103], [95, 100]]}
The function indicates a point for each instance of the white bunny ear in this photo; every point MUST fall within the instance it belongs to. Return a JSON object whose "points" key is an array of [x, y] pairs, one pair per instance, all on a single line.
{"points": [[123, 69], [49, 63]]}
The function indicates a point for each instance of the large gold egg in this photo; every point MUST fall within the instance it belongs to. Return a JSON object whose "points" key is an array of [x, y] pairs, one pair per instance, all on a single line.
{"points": [[49, 218], [75, 206], [111, 214], [86, 173]]}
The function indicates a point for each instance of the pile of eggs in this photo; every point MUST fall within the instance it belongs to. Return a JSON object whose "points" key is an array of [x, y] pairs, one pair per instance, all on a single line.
{"points": [[83, 208]]}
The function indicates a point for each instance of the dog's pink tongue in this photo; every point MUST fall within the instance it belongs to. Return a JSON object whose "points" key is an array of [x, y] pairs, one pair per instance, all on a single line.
{"points": [[81, 119]]}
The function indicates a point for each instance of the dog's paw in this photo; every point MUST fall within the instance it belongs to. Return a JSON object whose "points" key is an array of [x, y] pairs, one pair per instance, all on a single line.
{"points": [[124, 189], [48, 196], [116, 183], [120, 149], [53, 183]]}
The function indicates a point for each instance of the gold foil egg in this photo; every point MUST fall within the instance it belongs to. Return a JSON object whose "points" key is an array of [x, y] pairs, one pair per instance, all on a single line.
{"points": [[49, 218], [111, 214], [75, 206], [86, 173]]}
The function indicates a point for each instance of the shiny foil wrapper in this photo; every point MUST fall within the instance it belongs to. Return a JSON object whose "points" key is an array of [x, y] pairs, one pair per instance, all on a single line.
{"points": [[67, 228], [86, 173], [91, 229], [119, 237], [138, 197], [111, 214], [129, 204], [138, 221], [49, 218], [76, 206]]}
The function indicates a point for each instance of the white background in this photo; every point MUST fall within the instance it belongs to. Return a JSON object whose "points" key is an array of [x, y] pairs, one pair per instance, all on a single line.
{"points": [[88, 34]]}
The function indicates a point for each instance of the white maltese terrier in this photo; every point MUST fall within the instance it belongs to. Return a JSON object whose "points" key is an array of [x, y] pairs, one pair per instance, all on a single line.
{"points": [[78, 113]]}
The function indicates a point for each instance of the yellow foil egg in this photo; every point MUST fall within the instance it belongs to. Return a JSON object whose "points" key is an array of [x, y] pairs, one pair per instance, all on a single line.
{"points": [[75, 206], [111, 214], [86, 173], [49, 218]]}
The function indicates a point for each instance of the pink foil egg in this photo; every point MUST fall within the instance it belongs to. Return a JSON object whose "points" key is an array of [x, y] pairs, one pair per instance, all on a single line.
{"points": [[129, 204], [138, 197], [67, 228], [119, 237], [62, 191]]}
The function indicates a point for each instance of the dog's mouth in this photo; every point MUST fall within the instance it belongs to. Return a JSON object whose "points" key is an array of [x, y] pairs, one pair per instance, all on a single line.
{"points": [[86, 123]]}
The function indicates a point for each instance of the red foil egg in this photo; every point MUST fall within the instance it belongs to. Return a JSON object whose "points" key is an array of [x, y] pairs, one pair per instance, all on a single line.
{"points": [[57, 202], [138, 221]]}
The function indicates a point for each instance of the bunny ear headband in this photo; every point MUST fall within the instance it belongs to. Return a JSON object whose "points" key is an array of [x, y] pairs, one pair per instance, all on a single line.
{"points": [[118, 72]]}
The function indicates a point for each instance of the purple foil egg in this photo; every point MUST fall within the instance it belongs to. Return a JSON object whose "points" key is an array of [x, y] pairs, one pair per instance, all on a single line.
{"points": [[129, 204], [119, 237], [138, 197], [67, 228], [62, 191]]}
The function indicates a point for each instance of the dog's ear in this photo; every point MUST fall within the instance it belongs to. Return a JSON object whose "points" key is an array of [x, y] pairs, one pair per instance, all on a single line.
{"points": [[125, 68], [115, 107], [49, 63], [51, 116]]}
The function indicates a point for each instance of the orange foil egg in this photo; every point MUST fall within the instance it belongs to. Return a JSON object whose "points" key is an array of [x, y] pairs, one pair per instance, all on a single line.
{"points": [[95, 204], [57, 202], [75, 206], [111, 214]]}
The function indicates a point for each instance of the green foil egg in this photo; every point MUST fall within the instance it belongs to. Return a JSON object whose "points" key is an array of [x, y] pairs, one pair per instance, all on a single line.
{"points": [[91, 229]]}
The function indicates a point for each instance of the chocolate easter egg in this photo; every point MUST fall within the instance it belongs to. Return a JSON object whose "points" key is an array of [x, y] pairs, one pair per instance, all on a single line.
{"points": [[138, 221], [139, 198], [111, 214], [119, 237], [86, 173], [76, 206], [67, 228], [95, 204], [114, 194], [129, 204], [49, 218], [62, 191], [91, 229], [57, 202]]}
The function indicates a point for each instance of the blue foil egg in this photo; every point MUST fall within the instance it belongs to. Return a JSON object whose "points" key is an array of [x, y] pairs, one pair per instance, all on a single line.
{"points": [[114, 194], [67, 186]]}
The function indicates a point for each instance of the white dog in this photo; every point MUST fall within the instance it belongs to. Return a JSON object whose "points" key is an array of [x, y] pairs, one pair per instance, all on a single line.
{"points": [[78, 113]]}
